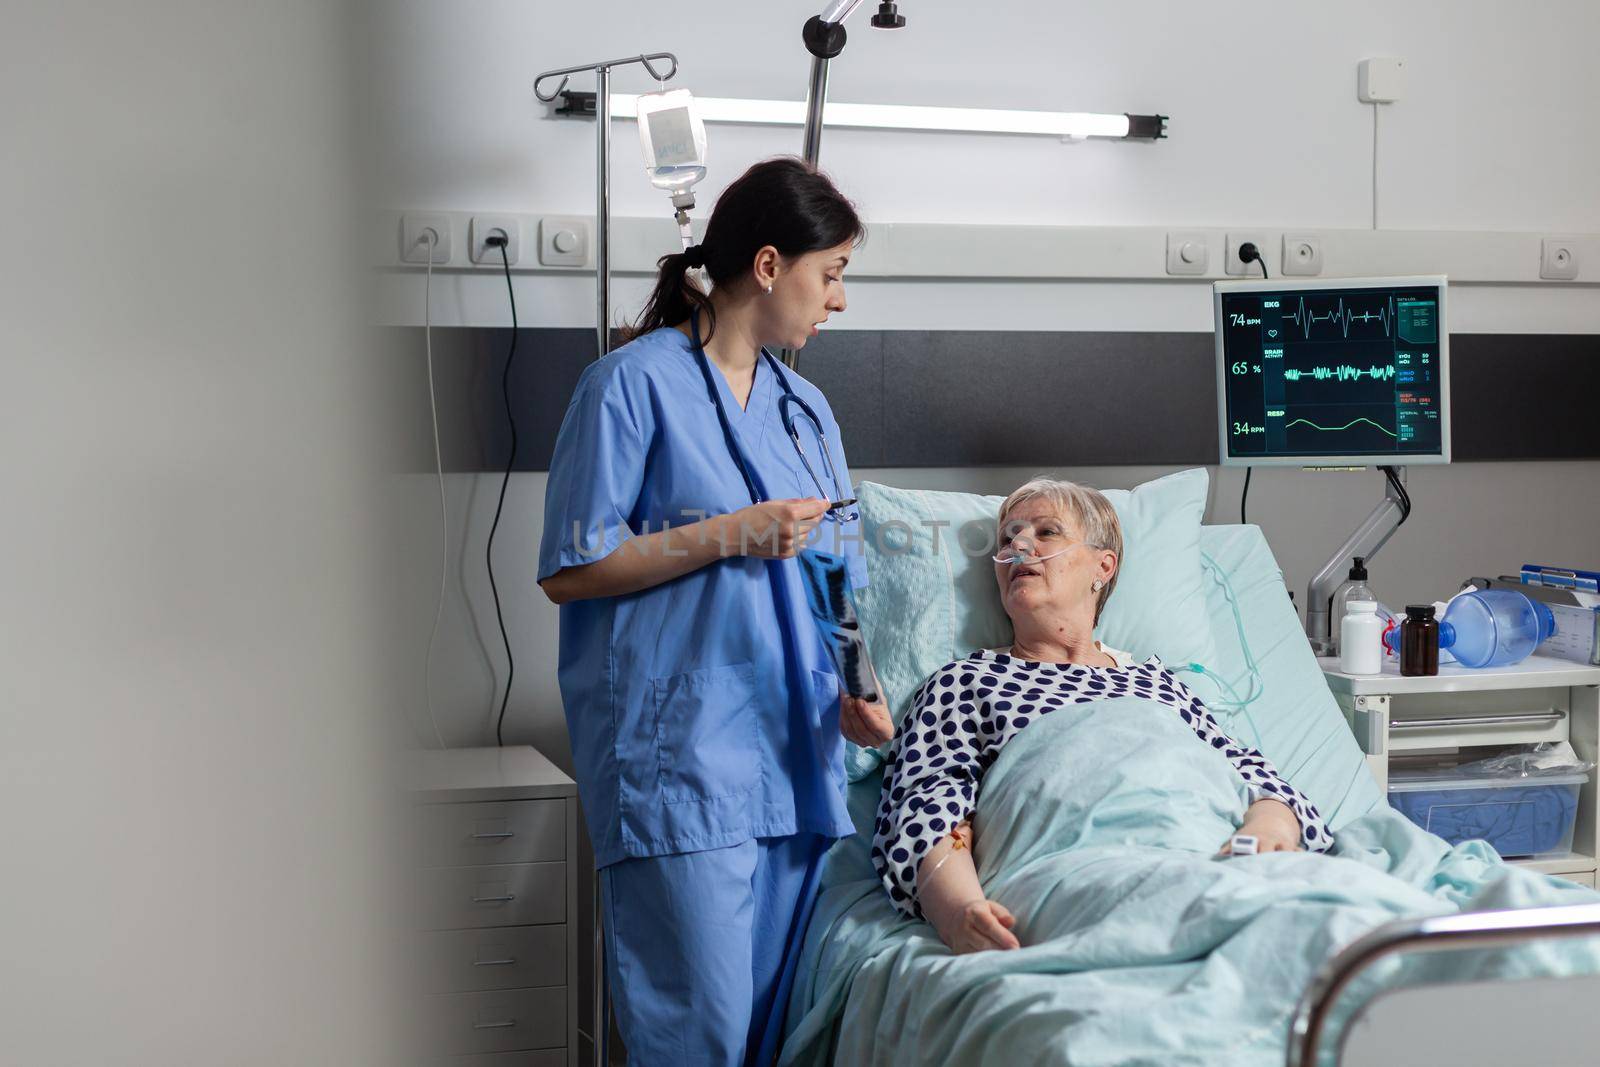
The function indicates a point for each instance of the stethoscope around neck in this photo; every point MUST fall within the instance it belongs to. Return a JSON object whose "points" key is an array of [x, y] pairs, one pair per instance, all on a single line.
{"points": [[790, 406]]}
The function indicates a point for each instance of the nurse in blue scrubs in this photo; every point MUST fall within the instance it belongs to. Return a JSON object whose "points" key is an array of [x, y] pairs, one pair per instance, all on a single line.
{"points": [[705, 716]]}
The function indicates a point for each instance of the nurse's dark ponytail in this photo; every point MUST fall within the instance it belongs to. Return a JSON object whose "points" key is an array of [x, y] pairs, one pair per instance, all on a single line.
{"points": [[782, 202]]}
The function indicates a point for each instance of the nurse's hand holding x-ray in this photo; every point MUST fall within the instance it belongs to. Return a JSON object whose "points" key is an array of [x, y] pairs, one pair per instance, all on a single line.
{"points": [[864, 724], [772, 529]]}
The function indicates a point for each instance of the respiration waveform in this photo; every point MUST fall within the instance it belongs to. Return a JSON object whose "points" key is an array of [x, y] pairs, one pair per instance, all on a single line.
{"points": [[1346, 426]]}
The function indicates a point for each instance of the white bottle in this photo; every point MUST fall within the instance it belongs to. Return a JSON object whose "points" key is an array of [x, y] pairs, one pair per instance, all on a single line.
{"points": [[1352, 588], [1361, 639]]}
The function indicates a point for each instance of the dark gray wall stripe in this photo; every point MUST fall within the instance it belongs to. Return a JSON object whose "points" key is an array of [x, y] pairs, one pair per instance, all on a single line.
{"points": [[908, 398]]}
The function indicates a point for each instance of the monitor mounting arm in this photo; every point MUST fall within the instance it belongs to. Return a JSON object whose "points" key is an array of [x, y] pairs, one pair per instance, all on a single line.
{"points": [[1370, 536]]}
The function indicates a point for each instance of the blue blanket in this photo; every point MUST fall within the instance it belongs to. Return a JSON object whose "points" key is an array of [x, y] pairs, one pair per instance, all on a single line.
{"points": [[1097, 827]]}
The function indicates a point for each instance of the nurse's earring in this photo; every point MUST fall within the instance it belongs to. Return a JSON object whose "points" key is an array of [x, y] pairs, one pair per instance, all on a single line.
{"points": [[769, 290], [1096, 586]]}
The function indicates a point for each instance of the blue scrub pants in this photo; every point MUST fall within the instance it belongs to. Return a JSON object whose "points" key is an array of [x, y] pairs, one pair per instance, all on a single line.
{"points": [[701, 949]]}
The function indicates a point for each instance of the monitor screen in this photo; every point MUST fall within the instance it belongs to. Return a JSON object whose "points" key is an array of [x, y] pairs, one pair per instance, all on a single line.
{"points": [[1344, 372]]}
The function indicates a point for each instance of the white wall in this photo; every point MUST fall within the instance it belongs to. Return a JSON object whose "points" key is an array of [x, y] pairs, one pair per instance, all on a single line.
{"points": [[1497, 131], [1265, 126]]}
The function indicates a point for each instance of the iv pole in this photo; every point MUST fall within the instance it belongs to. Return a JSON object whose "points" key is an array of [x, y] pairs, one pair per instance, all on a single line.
{"points": [[579, 103], [601, 102]]}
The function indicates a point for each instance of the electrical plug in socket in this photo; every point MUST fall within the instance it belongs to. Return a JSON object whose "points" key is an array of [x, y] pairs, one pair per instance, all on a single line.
{"points": [[413, 243], [1238, 267], [486, 226]]}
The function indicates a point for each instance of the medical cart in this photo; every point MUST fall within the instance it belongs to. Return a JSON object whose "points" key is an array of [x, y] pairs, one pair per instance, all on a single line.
{"points": [[1539, 699]]}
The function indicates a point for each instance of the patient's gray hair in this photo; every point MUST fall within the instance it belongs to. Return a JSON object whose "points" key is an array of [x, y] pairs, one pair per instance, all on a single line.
{"points": [[1087, 508]]}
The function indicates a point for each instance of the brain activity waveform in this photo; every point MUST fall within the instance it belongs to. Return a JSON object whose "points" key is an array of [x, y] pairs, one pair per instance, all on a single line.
{"points": [[1342, 373], [1306, 317]]}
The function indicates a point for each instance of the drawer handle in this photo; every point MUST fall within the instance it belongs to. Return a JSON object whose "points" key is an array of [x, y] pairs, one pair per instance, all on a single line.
{"points": [[507, 962], [502, 833], [1523, 718], [503, 899], [495, 1026]]}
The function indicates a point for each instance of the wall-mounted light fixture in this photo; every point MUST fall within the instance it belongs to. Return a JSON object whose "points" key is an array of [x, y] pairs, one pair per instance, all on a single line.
{"points": [[1069, 125]]}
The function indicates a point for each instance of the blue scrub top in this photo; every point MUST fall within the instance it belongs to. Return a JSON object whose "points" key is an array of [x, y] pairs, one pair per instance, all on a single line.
{"points": [[703, 712]]}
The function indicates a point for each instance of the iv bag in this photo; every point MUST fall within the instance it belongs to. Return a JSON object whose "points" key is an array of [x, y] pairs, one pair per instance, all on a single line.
{"points": [[673, 140]]}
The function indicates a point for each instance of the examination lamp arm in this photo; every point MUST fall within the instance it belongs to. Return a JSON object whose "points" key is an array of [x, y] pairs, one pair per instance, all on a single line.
{"points": [[1368, 538], [838, 11], [824, 38]]}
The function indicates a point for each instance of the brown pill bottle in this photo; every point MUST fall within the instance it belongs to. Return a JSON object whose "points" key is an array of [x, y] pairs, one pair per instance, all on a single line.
{"points": [[1419, 642]]}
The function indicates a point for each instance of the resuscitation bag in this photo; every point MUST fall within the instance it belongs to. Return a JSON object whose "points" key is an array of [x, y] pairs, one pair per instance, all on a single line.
{"points": [[1489, 628]]}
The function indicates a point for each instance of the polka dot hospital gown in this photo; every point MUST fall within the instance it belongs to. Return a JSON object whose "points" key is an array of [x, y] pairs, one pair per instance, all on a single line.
{"points": [[968, 710]]}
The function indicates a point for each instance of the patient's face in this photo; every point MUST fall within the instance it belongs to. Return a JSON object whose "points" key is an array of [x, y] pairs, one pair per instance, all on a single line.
{"points": [[1060, 585]]}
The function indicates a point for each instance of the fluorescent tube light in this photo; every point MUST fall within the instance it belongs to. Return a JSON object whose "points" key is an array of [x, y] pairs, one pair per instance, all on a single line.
{"points": [[1070, 124]]}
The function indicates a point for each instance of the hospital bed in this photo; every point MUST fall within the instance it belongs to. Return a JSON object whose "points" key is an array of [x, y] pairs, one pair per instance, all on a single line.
{"points": [[856, 996]]}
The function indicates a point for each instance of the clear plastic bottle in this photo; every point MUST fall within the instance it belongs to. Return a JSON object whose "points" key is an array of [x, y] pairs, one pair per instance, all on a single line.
{"points": [[1361, 638], [1352, 588]]}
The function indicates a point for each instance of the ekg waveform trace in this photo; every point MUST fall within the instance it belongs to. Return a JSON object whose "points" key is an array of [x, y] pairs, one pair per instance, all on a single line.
{"points": [[1306, 317]]}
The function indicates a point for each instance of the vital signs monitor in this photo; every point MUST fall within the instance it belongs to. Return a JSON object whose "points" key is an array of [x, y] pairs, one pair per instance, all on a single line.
{"points": [[1333, 372]]}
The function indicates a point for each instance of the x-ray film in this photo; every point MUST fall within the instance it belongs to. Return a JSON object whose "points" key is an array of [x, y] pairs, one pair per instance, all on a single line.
{"points": [[833, 606]]}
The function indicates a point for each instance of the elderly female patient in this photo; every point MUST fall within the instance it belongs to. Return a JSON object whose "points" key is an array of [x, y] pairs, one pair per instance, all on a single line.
{"points": [[1060, 547]]}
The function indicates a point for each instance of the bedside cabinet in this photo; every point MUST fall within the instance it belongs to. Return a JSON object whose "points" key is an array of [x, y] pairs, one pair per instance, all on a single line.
{"points": [[496, 907], [1539, 699]]}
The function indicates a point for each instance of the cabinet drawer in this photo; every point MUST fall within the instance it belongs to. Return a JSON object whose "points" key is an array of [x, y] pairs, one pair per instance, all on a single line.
{"points": [[507, 831], [511, 1020], [518, 894], [1452, 720], [461, 961], [1582, 879]]}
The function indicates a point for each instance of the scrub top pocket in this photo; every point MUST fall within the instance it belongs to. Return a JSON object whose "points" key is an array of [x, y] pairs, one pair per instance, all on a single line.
{"points": [[825, 684], [707, 729]]}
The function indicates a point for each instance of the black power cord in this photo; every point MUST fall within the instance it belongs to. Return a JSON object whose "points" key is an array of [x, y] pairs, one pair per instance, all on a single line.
{"points": [[1393, 477], [1249, 253], [499, 241]]}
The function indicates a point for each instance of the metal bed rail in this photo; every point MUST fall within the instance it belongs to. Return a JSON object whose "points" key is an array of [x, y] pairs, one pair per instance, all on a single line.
{"points": [[1484, 929]]}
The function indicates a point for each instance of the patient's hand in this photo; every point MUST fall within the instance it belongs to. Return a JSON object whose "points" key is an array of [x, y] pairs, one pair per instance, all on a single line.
{"points": [[952, 898], [865, 724], [979, 925], [1273, 824]]}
